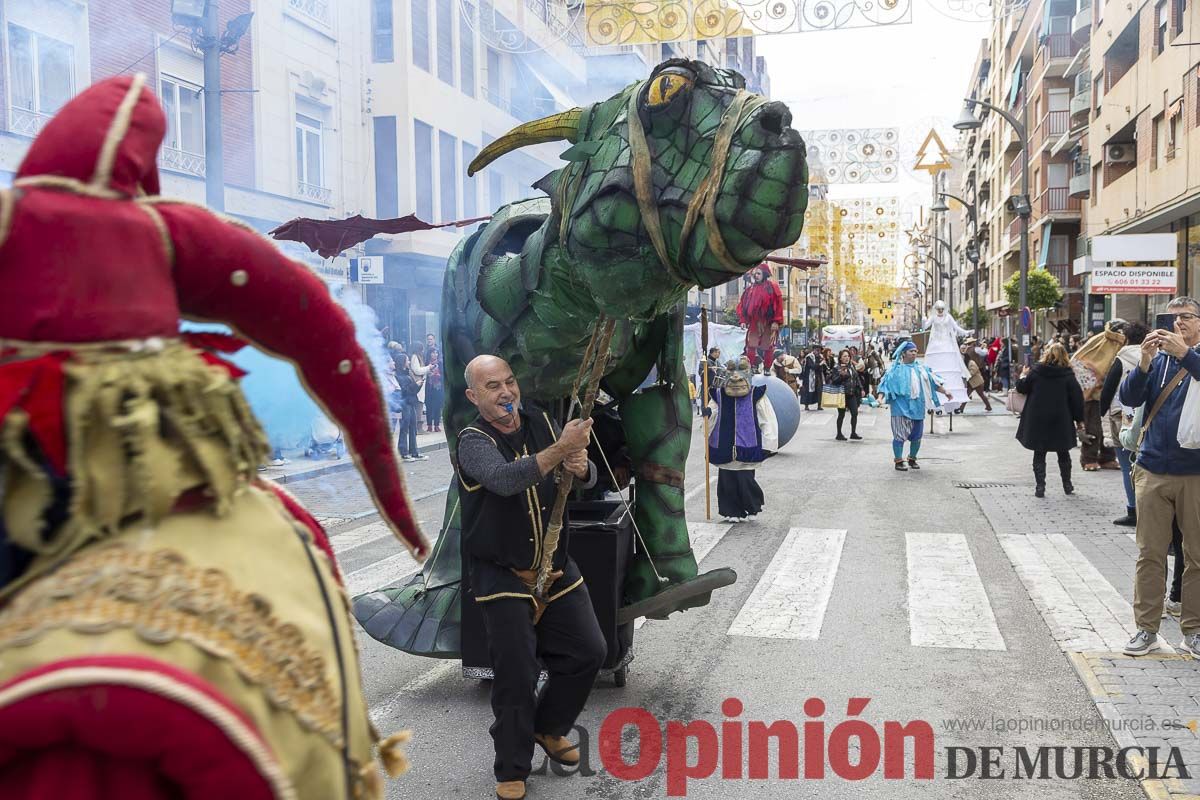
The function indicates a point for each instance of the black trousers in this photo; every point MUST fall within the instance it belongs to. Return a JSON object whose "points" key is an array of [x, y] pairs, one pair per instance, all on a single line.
{"points": [[1093, 422], [852, 402], [738, 493], [1176, 590], [568, 642]]}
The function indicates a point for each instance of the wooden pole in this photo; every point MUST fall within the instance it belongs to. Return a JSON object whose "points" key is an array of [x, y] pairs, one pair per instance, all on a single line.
{"points": [[703, 409]]}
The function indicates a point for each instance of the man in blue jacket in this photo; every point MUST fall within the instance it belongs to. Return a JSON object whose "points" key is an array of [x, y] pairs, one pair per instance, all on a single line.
{"points": [[1166, 478]]}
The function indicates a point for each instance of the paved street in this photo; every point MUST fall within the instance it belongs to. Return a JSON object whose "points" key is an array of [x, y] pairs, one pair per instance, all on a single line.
{"points": [[976, 610]]}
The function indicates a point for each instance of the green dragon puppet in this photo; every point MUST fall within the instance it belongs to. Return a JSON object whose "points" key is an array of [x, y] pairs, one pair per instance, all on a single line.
{"points": [[683, 180]]}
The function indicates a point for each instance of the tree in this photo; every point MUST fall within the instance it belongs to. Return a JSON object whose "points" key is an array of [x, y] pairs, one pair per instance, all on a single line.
{"points": [[967, 320], [1041, 291]]}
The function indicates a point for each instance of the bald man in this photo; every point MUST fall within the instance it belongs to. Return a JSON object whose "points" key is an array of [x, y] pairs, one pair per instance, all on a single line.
{"points": [[508, 459]]}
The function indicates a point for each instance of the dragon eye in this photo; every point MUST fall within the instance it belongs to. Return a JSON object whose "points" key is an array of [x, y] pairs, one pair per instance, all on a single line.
{"points": [[664, 88]]}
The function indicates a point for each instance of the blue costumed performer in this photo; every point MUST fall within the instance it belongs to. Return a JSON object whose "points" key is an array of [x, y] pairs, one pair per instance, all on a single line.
{"points": [[745, 433], [910, 389]]}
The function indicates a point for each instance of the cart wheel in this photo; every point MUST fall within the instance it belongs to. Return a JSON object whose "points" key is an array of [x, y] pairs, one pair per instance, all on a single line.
{"points": [[620, 675]]}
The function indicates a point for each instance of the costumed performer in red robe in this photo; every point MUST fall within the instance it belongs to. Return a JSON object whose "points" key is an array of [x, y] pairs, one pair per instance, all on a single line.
{"points": [[760, 311]]}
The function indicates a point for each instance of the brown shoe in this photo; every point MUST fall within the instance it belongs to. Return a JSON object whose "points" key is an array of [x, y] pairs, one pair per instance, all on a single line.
{"points": [[510, 790], [559, 749]]}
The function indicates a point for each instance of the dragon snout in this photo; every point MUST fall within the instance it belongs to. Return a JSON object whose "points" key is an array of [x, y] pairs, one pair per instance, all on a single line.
{"points": [[775, 118]]}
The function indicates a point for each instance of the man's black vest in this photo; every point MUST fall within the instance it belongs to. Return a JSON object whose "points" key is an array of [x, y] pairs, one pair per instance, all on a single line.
{"points": [[502, 534]]}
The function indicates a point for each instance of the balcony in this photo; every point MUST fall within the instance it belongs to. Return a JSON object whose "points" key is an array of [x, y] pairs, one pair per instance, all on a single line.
{"points": [[1014, 232], [1080, 183], [1061, 272], [1058, 200], [1014, 173], [1081, 24], [181, 161], [1052, 125], [314, 193], [25, 122], [313, 9], [1054, 55], [1081, 104]]}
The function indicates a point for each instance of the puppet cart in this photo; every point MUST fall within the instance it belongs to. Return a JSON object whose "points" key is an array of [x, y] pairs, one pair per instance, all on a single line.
{"points": [[601, 544]]}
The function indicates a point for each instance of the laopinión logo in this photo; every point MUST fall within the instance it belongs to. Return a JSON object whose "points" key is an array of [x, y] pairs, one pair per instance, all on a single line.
{"points": [[634, 744]]}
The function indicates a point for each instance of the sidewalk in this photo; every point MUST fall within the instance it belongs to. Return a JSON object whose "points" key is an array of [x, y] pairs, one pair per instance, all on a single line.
{"points": [[1078, 568], [304, 468]]}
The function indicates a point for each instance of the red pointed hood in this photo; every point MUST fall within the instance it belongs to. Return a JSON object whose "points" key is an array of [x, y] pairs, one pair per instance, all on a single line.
{"points": [[107, 136]]}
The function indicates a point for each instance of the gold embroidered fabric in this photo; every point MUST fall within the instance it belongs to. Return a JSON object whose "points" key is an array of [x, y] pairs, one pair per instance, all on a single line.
{"points": [[162, 598], [142, 428]]}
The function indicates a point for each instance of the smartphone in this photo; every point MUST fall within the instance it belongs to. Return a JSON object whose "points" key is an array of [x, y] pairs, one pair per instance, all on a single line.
{"points": [[1164, 322]]}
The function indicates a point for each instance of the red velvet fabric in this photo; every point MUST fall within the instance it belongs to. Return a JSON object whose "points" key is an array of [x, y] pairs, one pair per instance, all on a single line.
{"points": [[762, 303], [77, 268], [103, 740], [35, 386]]}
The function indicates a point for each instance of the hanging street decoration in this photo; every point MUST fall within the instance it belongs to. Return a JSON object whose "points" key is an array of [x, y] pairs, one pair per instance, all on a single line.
{"points": [[932, 155], [854, 155]]}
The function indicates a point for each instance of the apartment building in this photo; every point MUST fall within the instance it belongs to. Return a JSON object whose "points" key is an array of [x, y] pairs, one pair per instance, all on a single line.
{"points": [[1029, 66]]}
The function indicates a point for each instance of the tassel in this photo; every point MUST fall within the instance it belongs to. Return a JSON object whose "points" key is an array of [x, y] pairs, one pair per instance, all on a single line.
{"points": [[371, 787], [395, 763]]}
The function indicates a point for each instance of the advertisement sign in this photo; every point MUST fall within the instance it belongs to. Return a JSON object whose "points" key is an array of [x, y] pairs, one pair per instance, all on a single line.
{"points": [[1135, 247], [367, 269], [1133, 280]]}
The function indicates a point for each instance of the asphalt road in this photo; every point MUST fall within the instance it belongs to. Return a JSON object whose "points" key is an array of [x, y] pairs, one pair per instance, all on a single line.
{"points": [[854, 582]]}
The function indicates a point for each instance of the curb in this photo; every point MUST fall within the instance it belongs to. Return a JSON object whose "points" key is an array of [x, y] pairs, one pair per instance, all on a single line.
{"points": [[339, 466]]}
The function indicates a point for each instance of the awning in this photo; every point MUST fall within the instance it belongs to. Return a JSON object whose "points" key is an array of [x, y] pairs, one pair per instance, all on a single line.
{"points": [[1066, 140], [1016, 85], [996, 305], [1045, 251], [1176, 108]]}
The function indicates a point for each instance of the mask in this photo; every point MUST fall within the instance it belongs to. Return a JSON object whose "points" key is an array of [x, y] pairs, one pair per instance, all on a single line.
{"points": [[737, 378]]}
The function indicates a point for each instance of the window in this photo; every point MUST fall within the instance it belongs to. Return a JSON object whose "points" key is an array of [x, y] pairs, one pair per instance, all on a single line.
{"points": [[420, 33], [469, 189], [1177, 9], [382, 45], [1097, 92], [447, 158], [1160, 26], [41, 71], [493, 78], [423, 173], [445, 41], [183, 103], [1172, 133], [1158, 142], [308, 151], [387, 175], [466, 49]]}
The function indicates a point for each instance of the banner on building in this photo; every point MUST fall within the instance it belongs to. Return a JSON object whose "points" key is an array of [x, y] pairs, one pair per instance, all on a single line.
{"points": [[854, 155], [1133, 280], [628, 22]]}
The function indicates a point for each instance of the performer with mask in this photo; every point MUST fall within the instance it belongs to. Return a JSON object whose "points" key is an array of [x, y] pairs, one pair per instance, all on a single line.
{"points": [[760, 310], [942, 354], [812, 378], [508, 459], [910, 389], [746, 431]]}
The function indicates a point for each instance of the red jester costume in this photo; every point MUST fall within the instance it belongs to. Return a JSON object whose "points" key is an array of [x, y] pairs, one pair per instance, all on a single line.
{"points": [[170, 624]]}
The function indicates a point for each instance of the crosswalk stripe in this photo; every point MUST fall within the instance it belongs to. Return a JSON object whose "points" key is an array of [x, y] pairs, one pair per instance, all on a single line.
{"points": [[382, 573], [817, 417], [947, 604], [790, 599], [1083, 610], [704, 537], [361, 536]]}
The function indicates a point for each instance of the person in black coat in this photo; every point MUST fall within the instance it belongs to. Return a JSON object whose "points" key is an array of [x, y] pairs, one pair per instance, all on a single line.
{"points": [[1053, 413], [850, 379]]}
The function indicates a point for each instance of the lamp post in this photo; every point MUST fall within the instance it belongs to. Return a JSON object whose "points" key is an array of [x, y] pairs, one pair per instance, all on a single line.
{"points": [[968, 121], [972, 246]]}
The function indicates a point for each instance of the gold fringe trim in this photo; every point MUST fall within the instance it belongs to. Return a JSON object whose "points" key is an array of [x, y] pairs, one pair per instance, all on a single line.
{"points": [[142, 428], [117, 130], [161, 227]]}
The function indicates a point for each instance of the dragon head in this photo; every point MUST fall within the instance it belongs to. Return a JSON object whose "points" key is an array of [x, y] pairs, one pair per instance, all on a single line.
{"points": [[685, 177]]}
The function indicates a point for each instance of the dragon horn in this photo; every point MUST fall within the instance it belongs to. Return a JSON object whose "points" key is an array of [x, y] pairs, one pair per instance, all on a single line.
{"points": [[555, 128]]}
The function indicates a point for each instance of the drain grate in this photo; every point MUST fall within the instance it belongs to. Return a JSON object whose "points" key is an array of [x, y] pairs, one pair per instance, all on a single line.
{"points": [[981, 485]]}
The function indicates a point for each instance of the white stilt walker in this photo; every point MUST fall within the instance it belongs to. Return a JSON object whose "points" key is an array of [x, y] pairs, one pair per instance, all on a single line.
{"points": [[943, 356]]}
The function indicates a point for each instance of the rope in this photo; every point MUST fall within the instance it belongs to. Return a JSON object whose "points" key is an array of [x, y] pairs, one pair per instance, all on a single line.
{"points": [[628, 510]]}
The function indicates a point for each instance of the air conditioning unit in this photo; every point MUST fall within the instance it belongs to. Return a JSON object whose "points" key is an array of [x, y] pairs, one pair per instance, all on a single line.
{"points": [[1119, 154]]}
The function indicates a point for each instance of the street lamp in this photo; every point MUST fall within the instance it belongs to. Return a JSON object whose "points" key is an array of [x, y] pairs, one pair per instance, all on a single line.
{"points": [[972, 246], [968, 121]]}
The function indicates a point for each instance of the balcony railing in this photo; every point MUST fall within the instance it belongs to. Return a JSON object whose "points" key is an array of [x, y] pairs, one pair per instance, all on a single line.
{"points": [[1056, 123], [316, 9], [1058, 200], [26, 122], [1081, 24], [1014, 231], [1014, 172], [1059, 45], [317, 194], [1081, 103], [1060, 271], [181, 161]]}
